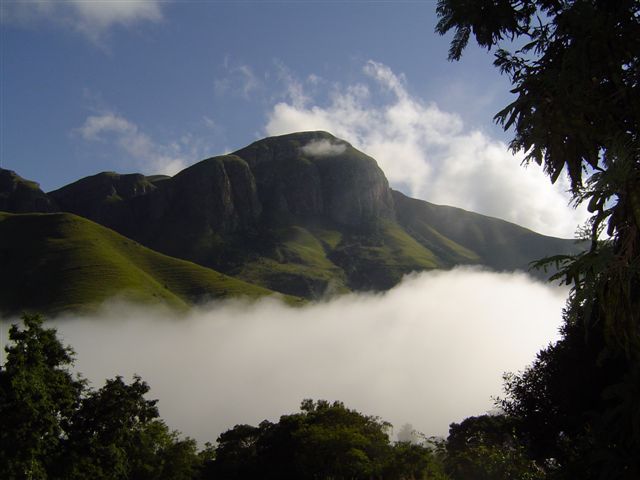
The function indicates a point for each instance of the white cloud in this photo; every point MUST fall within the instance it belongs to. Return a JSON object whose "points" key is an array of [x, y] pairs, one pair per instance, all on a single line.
{"points": [[414, 354], [427, 152], [106, 13], [92, 18], [151, 157], [323, 148], [236, 79], [95, 125], [294, 89]]}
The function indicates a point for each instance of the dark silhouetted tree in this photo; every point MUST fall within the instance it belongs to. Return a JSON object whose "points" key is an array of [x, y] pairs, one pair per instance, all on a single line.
{"points": [[38, 396], [53, 427], [487, 448], [575, 70], [323, 441]]}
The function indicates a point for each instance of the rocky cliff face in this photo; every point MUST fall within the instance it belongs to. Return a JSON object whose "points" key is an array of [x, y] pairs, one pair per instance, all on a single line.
{"points": [[218, 194], [18, 195], [89, 194], [271, 182], [316, 174]]}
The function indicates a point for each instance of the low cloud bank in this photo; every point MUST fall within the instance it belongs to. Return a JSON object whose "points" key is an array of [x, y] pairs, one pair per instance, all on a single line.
{"points": [[430, 351]]}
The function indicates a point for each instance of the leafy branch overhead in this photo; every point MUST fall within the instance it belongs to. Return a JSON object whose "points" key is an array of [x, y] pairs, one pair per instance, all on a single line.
{"points": [[574, 67], [575, 70]]}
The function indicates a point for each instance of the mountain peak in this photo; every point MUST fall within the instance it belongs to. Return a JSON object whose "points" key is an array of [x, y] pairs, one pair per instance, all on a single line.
{"points": [[317, 174]]}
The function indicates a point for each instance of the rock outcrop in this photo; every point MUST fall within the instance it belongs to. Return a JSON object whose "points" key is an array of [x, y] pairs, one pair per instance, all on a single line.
{"points": [[316, 174], [217, 194], [18, 195]]}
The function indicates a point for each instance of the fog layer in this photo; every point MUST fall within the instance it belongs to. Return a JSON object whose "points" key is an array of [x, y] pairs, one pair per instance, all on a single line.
{"points": [[430, 351]]}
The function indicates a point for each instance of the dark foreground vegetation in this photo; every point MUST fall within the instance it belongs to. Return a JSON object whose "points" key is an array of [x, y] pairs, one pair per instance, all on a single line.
{"points": [[556, 425], [574, 66], [53, 426]]}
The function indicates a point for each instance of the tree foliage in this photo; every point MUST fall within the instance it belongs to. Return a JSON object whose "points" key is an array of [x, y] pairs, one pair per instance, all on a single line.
{"points": [[488, 448], [323, 441], [575, 70], [574, 409], [52, 426], [38, 396], [575, 73]]}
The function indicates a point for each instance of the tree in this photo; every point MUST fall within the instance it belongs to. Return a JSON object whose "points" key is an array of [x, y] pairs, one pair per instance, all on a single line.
{"points": [[323, 441], [576, 77], [562, 401], [236, 455], [337, 442], [413, 461], [487, 448], [53, 427], [575, 72], [38, 396], [114, 433]]}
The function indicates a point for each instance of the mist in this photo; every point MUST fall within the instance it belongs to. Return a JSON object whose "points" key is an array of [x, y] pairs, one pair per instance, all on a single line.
{"points": [[429, 352]]}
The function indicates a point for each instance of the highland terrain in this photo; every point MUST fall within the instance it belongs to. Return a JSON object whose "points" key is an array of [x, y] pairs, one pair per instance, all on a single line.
{"points": [[305, 215]]}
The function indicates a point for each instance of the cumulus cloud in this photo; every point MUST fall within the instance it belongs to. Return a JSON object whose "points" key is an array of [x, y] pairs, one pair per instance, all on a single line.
{"points": [[92, 19], [429, 352], [323, 148], [427, 153], [151, 157]]}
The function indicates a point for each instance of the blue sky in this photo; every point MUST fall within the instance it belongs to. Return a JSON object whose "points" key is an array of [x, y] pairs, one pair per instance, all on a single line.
{"points": [[155, 86]]}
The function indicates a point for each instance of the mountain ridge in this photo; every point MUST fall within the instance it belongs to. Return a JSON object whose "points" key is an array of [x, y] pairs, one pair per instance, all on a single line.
{"points": [[304, 214]]}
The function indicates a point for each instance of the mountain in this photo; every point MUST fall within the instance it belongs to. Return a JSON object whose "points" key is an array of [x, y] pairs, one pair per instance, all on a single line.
{"points": [[19, 195], [458, 236], [60, 262], [304, 214]]}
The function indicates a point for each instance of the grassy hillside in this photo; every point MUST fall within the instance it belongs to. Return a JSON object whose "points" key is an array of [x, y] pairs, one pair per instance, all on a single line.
{"points": [[459, 236], [323, 257], [56, 262], [297, 262]]}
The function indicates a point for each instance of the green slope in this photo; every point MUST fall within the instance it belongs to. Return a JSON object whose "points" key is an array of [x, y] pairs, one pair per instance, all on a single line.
{"points": [[60, 262], [459, 236], [311, 259], [297, 263]]}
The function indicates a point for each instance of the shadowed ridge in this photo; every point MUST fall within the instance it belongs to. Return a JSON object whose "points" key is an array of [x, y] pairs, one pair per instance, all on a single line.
{"points": [[19, 195], [475, 238], [61, 262], [104, 198]]}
